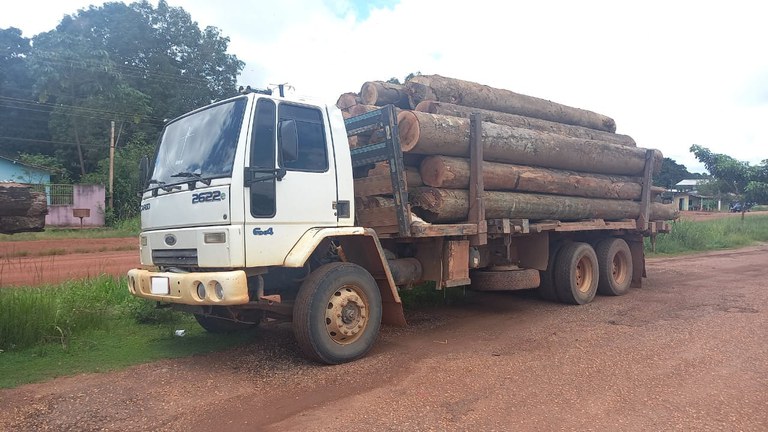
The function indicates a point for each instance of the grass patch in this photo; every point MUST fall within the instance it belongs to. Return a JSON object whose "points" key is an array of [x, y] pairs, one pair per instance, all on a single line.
{"points": [[725, 233], [760, 208], [125, 228], [90, 326]]}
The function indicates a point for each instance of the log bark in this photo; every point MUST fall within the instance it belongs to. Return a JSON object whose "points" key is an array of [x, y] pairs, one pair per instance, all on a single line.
{"points": [[20, 224], [382, 93], [359, 109], [21, 209], [460, 92], [412, 174], [20, 200], [347, 100], [434, 134], [452, 205], [453, 173], [444, 108]]}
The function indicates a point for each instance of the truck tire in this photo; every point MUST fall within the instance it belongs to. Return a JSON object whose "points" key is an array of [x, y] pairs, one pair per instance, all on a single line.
{"points": [[506, 280], [337, 314], [576, 273], [614, 260], [547, 289], [216, 323]]}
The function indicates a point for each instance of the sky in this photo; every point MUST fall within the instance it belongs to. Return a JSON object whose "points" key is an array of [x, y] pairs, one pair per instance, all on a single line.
{"points": [[671, 73]]}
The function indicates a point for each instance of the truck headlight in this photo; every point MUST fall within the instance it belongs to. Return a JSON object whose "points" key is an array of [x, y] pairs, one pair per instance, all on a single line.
{"points": [[201, 290], [219, 290]]}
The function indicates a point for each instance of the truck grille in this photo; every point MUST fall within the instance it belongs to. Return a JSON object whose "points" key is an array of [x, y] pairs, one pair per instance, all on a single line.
{"points": [[174, 257]]}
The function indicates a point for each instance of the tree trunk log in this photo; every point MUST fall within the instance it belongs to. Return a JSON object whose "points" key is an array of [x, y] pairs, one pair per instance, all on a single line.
{"points": [[453, 173], [459, 92], [347, 100], [359, 109], [412, 174], [20, 200], [451, 205], [382, 93], [444, 108], [19, 224], [21, 209], [433, 134]]}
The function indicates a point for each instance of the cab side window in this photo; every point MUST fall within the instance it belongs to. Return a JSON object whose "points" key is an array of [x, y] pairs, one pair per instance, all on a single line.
{"points": [[313, 155]]}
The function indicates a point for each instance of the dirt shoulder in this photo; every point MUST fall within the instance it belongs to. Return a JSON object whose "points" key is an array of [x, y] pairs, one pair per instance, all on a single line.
{"points": [[29, 263], [687, 351], [33, 248]]}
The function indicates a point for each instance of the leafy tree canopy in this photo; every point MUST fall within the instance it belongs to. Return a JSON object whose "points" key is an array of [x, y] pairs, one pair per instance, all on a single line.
{"points": [[137, 65], [672, 172], [746, 182]]}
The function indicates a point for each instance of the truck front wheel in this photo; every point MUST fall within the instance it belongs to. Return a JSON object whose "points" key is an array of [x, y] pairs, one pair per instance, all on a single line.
{"points": [[576, 273], [337, 314]]}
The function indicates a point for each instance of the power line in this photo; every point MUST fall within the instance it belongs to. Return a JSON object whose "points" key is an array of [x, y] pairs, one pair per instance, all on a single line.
{"points": [[105, 146], [73, 114], [87, 109]]}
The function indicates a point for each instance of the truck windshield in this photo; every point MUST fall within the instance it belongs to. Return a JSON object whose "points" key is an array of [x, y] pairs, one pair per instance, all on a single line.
{"points": [[200, 145]]}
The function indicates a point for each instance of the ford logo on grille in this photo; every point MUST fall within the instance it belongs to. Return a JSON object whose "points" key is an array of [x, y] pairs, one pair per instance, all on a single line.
{"points": [[170, 239]]}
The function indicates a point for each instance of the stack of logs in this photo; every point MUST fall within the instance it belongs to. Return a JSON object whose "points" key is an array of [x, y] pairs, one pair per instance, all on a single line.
{"points": [[21, 209], [542, 160]]}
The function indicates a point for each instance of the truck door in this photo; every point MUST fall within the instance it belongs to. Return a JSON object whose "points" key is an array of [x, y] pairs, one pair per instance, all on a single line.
{"points": [[285, 198]]}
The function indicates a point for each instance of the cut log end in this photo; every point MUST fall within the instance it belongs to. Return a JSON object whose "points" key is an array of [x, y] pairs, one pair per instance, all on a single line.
{"points": [[428, 106], [434, 172], [368, 94], [347, 100], [408, 127]]}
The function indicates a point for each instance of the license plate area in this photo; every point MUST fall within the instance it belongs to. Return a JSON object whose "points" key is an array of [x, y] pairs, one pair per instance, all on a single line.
{"points": [[160, 286]]}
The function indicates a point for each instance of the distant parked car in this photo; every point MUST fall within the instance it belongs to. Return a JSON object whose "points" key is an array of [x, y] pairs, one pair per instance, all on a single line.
{"points": [[739, 207]]}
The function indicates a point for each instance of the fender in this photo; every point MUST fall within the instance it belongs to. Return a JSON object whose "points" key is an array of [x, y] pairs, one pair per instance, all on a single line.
{"points": [[361, 247]]}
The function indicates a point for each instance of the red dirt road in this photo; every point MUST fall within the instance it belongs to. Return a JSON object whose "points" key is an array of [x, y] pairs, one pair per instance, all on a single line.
{"points": [[686, 352], [54, 261]]}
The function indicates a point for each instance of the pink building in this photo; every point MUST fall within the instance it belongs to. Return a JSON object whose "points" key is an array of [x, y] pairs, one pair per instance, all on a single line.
{"points": [[81, 199]]}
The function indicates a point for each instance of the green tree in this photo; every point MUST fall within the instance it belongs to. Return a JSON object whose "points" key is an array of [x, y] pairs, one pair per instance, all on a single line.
{"points": [[671, 173], [127, 185], [746, 182], [20, 115]]}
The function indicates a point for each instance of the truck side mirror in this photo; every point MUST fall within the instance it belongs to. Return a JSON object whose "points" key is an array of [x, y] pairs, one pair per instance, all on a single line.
{"points": [[288, 141], [143, 171]]}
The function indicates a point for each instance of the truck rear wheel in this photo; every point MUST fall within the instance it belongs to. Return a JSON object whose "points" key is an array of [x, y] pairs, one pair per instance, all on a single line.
{"points": [[337, 314], [614, 260], [221, 321], [576, 273], [547, 289]]}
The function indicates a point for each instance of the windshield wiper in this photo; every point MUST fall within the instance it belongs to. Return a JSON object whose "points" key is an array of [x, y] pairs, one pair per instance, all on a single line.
{"points": [[196, 176], [160, 185]]}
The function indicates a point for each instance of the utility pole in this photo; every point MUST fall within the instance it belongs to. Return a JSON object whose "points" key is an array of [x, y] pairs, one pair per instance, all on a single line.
{"points": [[112, 166]]}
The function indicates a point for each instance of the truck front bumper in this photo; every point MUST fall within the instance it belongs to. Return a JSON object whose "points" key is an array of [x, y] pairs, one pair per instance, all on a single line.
{"points": [[224, 288]]}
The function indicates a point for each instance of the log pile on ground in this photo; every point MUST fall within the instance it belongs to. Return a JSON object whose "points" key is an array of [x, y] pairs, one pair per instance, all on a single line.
{"points": [[21, 209], [543, 160]]}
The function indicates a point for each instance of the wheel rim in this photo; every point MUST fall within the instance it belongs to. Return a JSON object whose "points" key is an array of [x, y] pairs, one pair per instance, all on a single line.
{"points": [[584, 274], [620, 268], [346, 315]]}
